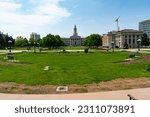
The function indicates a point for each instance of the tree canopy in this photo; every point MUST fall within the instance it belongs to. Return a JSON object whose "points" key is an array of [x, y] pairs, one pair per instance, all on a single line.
{"points": [[52, 41], [93, 40], [21, 42], [145, 40], [4, 40]]}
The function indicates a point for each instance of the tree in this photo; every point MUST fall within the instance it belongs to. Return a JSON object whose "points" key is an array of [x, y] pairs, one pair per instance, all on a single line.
{"points": [[21, 42], [59, 41], [93, 40], [145, 40], [31, 40], [52, 41], [2, 41], [125, 46], [8, 38]]}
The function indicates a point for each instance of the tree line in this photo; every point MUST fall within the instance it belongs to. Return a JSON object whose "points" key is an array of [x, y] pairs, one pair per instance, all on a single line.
{"points": [[50, 41], [54, 41], [4, 41]]}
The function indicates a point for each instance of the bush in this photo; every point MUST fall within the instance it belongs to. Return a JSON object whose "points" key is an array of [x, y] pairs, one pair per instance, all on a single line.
{"points": [[64, 50], [86, 50], [131, 55], [137, 54], [148, 68]]}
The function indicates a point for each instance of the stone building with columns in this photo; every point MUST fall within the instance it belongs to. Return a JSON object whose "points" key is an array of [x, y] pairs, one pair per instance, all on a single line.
{"points": [[128, 36], [75, 39]]}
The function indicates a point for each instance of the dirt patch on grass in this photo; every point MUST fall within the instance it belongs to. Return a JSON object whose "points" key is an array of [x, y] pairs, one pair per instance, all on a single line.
{"points": [[118, 84], [145, 58]]}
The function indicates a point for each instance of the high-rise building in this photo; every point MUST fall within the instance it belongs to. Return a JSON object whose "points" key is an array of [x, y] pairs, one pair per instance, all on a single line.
{"points": [[145, 27], [35, 36]]}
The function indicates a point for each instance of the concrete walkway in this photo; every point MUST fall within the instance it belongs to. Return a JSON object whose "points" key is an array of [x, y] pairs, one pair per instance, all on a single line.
{"points": [[141, 94]]}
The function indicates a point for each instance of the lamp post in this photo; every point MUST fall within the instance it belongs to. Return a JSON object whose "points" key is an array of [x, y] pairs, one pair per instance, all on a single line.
{"points": [[10, 42], [112, 46], [28, 46], [119, 43], [34, 47], [139, 44]]}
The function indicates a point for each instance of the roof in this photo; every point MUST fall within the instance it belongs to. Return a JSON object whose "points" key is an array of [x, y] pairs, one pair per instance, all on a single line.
{"points": [[129, 30], [145, 21]]}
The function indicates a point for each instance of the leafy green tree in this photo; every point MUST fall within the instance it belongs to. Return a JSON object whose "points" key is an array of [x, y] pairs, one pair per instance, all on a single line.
{"points": [[145, 40], [59, 41], [52, 41], [2, 41], [31, 41], [21, 42], [93, 40], [8, 38]]}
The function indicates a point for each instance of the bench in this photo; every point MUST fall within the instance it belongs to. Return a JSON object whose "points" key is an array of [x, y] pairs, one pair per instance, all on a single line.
{"points": [[131, 97]]}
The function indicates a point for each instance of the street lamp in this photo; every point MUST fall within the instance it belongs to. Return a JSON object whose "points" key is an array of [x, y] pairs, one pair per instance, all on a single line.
{"points": [[112, 46], [119, 43], [139, 44], [28, 46], [34, 47], [10, 42]]}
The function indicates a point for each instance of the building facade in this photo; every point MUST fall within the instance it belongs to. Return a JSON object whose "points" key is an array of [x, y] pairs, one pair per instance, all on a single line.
{"points": [[119, 38], [74, 40], [35, 36], [145, 27], [66, 41]]}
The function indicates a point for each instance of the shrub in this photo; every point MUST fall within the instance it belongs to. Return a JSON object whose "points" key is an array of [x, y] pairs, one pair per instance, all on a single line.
{"points": [[64, 50], [131, 55], [148, 68], [137, 54], [86, 50]]}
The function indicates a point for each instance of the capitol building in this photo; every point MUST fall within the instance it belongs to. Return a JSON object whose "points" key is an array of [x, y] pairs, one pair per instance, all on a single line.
{"points": [[75, 39]]}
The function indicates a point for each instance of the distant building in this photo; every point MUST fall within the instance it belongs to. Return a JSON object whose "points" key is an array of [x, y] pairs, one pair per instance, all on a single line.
{"points": [[35, 36], [19, 37], [119, 38], [108, 38], [145, 27], [74, 40], [66, 41]]}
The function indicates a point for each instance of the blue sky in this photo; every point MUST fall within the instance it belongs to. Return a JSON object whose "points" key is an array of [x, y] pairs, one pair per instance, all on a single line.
{"points": [[22, 17]]}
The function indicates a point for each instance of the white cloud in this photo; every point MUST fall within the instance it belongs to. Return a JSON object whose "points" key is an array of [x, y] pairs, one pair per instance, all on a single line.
{"points": [[8, 6], [42, 13]]}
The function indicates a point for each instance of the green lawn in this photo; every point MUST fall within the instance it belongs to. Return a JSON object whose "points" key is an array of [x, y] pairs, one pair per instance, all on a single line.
{"points": [[69, 68]]}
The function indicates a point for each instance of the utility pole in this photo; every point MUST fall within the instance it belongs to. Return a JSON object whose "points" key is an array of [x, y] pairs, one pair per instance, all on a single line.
{"points": [[117, 21]]}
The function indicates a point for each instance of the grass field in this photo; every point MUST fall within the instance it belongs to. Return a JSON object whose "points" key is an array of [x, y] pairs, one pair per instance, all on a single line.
{"points": [[69, 68]]}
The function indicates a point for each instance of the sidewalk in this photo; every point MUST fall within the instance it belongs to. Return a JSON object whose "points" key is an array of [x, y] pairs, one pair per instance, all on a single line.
{"points": [[141, 94]]}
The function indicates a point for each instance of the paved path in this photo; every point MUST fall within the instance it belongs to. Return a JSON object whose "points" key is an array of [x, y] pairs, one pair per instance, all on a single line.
{"points": [[143, 94]]}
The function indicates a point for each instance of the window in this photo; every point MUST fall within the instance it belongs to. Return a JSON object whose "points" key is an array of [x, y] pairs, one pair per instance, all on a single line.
{"points": [[129, 41], [133, 40]]}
